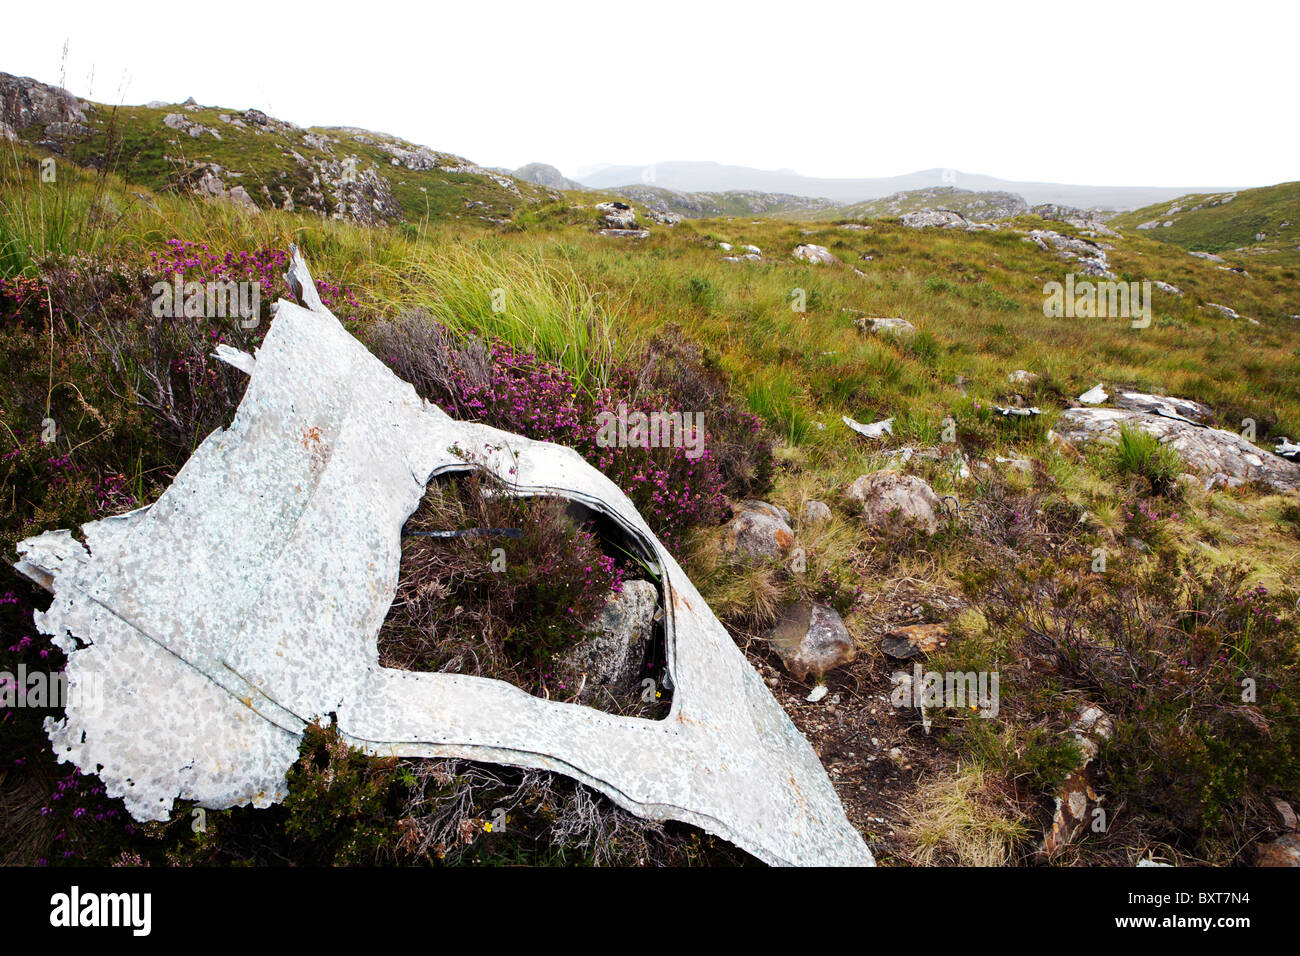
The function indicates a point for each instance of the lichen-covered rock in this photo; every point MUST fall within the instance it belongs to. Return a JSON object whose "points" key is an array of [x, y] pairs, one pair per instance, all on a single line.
{"points": [[25, 102], [1284, 851], [759, 530], [914, 640], [611, 658], [893, 500], [815, 512], [811, 639]]}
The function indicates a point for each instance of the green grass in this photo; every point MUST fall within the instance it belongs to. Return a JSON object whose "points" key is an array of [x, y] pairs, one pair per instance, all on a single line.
{"points": [[1142, 454]]}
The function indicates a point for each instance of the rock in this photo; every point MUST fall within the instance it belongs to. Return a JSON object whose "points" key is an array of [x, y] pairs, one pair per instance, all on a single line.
{"points": [[900, 328], [815, 512], [1167, 287], [811, 640], [1072, 216], [891, 499], [1230, 312], [612, 657], [1207, 255], [817, 255], [877, 431], [1090, 256], [1285, 815], [1207, 451], [256, 118], [25, 102], [914, 640], [724, 246], [817, 693], [617, 215], [239, 196], [758, 531], [754, 249], [935, 219], [1022, 465], [1182, 408], [1094, 396], [156, 105], [1090, 727], [1022, 377], [626, 233], [1284, 851], [177, 121]]}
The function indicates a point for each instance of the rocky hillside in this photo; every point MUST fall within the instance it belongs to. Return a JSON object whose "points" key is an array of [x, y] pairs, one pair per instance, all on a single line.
{"points": [[741, 202], [976, 206], [259, 161], [543, 174], [1257, 221]]}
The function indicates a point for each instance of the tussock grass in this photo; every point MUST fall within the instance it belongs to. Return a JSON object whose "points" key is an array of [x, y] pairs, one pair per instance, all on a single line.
{"points": [[963, 820]]}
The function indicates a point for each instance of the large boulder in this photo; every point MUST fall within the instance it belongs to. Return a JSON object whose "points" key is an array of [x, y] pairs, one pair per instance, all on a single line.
{"points": [[890, 499], [811, 639], [612, 657], [1207, 451], [758, 531]]}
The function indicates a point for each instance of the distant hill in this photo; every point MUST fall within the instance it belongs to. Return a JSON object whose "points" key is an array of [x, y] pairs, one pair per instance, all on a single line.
{"points": [[976, 206], [1264, 219], [715, 177], [733, 203], [544, 175]]}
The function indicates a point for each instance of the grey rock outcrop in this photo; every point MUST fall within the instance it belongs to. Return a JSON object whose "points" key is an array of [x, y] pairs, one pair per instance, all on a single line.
{"points": [[1091, 257], [25, 102], [1208, 451]]}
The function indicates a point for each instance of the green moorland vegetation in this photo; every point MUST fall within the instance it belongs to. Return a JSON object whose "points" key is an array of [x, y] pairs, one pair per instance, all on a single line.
{"points": [[1256, 224], [1198, 592]]}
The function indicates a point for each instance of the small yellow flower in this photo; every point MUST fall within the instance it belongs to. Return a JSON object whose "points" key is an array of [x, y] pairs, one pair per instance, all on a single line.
{"points": [[487, 828]]}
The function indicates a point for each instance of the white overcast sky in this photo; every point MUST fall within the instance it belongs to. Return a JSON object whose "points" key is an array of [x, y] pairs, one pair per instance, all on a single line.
{"points": [[1112, 93]]}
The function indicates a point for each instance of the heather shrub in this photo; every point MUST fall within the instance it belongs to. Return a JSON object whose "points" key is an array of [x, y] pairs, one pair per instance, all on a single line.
{"points": [[514, 390], [1198, 670], [514, 601]]}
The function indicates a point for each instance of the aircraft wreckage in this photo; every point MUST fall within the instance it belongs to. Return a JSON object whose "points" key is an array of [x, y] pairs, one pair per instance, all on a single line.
{"points": [[247, 601]]}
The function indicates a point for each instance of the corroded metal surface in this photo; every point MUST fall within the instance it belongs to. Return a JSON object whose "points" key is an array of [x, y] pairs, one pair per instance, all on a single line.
{"points": [[248, 599]]}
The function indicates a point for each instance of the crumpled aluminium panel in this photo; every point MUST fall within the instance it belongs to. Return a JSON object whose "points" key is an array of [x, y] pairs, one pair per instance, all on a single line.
{"points": [[248, 599]]}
